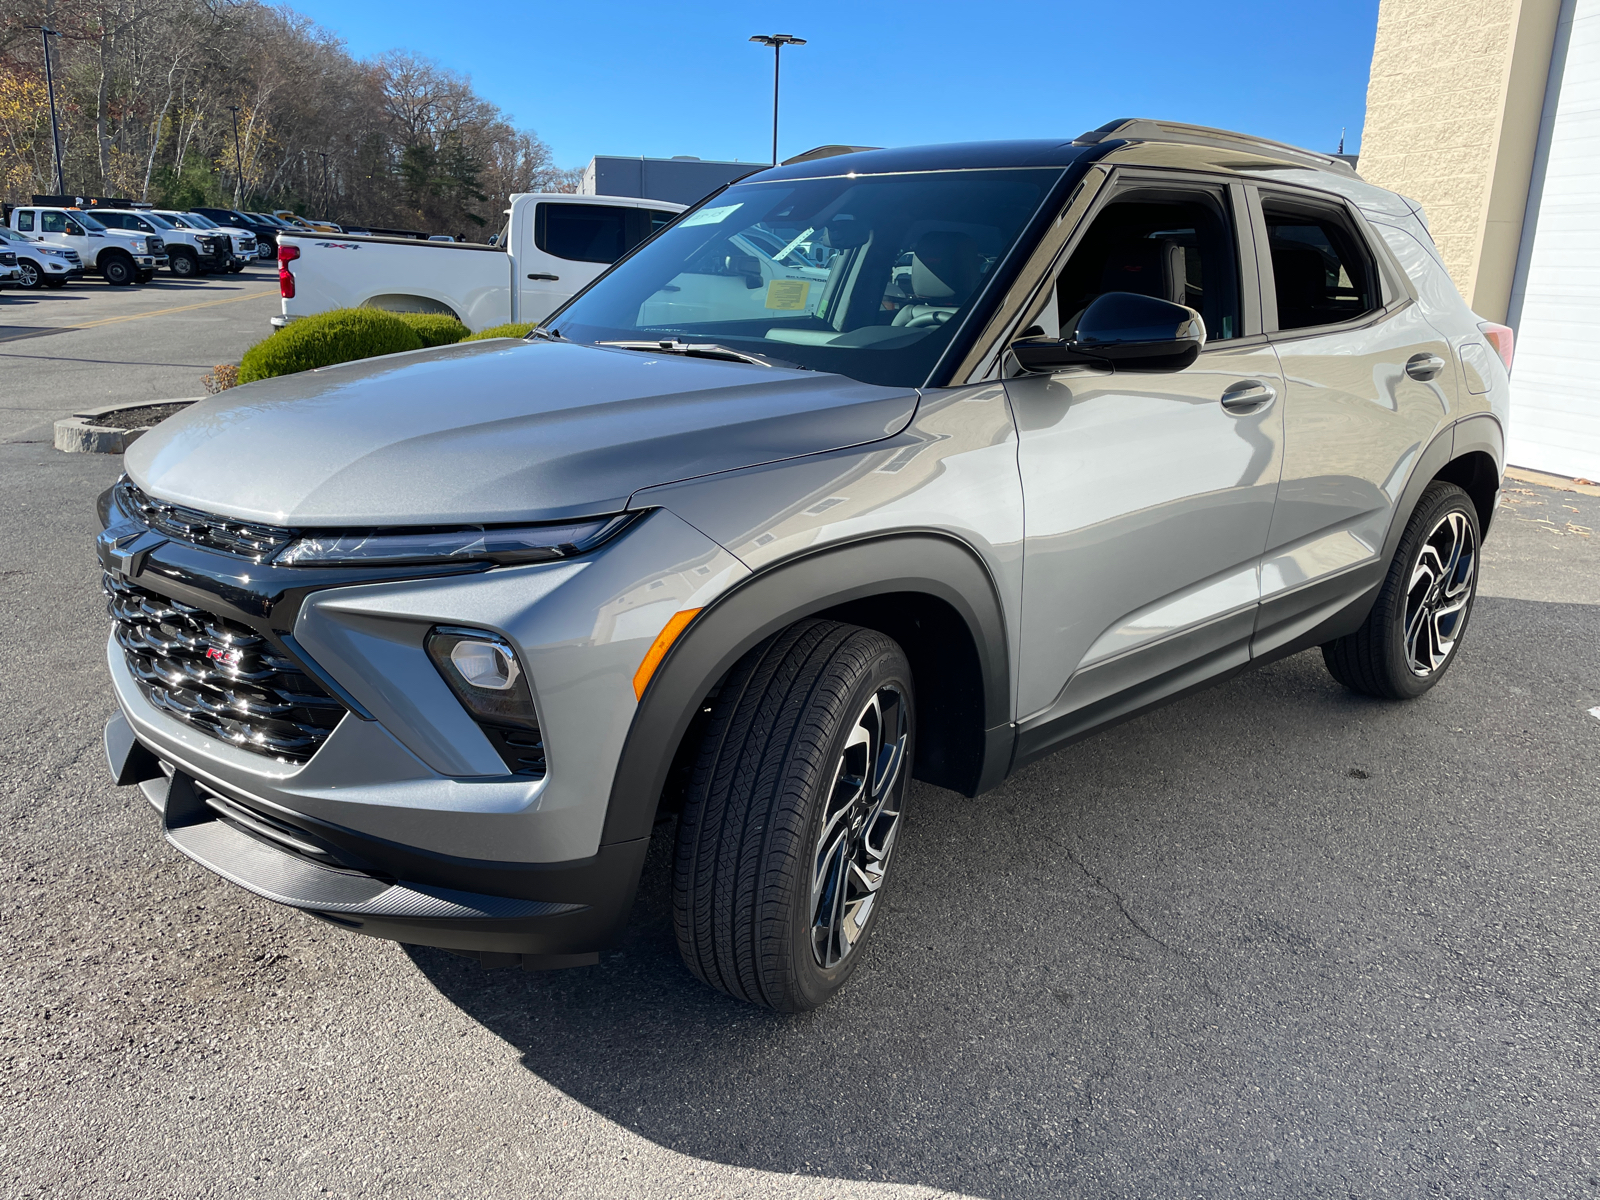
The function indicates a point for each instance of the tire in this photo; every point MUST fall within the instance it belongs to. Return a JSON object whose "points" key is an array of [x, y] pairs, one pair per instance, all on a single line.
{"points": [[183, 264], [118, 270], [32, 274], [804, 762], [235, 266], [1411, 636], [53, 284]]}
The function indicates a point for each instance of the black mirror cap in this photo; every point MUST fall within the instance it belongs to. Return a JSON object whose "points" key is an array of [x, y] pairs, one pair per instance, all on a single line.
{"points": [[1124, 331]]}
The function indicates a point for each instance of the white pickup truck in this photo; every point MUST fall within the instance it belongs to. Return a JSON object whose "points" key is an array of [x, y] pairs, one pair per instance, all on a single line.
{"points": [[553, 244]]}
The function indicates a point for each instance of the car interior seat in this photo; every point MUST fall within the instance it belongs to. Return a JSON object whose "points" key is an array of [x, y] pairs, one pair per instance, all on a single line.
{"points": [[945, 268]]}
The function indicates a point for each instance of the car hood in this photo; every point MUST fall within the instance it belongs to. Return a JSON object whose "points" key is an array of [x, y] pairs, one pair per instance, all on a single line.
{"points": [[494, 431]]}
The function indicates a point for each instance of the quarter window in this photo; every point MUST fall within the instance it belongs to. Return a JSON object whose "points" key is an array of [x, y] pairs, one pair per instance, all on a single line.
{"points": [[1322, 272]]}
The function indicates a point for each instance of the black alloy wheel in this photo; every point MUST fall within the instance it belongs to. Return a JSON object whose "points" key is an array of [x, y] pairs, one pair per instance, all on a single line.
{"points": [[118, 270], [792, 814], [32, 274], [1412, 634]]}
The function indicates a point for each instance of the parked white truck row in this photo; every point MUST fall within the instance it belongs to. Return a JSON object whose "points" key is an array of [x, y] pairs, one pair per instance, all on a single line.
{"points": [[53, 245]]}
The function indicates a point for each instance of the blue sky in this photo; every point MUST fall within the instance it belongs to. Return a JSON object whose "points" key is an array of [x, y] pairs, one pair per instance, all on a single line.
{"points": [[624, 77]]}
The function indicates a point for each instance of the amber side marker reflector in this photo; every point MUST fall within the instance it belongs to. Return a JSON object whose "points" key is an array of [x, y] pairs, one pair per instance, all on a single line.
{"points": [[658, 649]]}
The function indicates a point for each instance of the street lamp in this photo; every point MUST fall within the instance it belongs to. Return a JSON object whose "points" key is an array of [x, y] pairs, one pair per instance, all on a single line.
{"points": [[777, 41], [45, 34], [238, 158]]}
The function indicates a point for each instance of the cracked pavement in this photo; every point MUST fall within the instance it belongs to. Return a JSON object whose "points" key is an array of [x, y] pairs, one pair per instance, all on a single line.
{"points": [[1274, 939]]}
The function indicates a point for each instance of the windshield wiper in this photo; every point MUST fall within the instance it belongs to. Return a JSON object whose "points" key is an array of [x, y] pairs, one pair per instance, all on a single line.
{"points": [[704, 350], [543, 334]]}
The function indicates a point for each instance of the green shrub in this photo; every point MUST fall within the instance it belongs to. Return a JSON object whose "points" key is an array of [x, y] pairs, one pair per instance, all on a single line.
{"points": [[343, 335], [521, 329], [435, 329]]}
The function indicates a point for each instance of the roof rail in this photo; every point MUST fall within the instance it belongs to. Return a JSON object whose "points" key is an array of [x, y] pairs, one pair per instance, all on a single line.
{"points": [[825, 152], [1142, 129]]}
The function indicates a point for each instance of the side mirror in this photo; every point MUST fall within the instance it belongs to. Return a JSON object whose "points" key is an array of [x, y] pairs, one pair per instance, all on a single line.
{"points": [[1124, 331]]}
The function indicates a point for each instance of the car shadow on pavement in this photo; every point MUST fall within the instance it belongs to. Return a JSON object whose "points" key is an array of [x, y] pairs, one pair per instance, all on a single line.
{"points": [[1138, 965]]}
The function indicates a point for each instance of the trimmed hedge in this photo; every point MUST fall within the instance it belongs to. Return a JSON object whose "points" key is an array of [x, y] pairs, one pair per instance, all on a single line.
{"points": [[435, 329], [521, 329], [321, 340]]}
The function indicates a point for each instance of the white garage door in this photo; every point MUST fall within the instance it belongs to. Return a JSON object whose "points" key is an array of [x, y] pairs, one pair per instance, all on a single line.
{"points": [[1555, 381]]}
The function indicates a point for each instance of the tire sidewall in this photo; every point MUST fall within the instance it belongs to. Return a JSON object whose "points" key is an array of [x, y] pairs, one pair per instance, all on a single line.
{"points": [[1445, 499], [119, 266], [184, 265], [813, 983], [28, 265]]}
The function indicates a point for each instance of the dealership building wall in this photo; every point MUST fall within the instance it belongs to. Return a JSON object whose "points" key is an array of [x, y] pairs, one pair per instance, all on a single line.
{"points": [[1489, 117]]}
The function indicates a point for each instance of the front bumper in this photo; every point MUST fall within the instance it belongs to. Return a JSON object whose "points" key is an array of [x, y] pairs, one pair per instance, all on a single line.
{"points": [[543, 915], [406, 792]]}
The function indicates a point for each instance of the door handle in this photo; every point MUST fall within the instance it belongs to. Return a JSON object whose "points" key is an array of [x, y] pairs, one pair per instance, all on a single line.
{"points": [[1248, 395], [551, 278], [1423, 367]]}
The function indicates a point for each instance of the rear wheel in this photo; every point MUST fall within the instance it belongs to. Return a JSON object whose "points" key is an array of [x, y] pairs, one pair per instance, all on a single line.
{"points": [[118, 270], [1411, 636], [792, 814]]}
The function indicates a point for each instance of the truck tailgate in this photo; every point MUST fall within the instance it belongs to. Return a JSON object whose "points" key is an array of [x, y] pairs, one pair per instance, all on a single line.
{"points": [[339, 271]]}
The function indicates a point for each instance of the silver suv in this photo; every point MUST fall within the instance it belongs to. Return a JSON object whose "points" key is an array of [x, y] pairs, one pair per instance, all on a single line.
{"points": [[906, 463]]}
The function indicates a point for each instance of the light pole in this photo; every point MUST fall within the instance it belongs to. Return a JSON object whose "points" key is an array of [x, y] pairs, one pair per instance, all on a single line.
{"points": [[777, 41], [238, 158], [45, 34]]}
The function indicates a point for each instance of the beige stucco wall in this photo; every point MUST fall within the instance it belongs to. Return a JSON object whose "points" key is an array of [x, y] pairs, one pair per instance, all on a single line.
{"points": [[1452, 122]]}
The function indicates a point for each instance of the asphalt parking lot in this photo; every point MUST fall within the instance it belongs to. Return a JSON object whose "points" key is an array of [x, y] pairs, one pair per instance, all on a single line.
{"points": [[90, 344], [1273, 940]]}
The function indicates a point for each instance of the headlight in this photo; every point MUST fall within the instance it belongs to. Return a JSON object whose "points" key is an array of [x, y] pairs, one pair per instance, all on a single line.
{"points": [[138, 246], [525, 543]]}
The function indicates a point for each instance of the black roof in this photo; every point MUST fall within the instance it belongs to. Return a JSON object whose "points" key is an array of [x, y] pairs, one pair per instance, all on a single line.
{"points": [[1047, 152], [952, 156]]}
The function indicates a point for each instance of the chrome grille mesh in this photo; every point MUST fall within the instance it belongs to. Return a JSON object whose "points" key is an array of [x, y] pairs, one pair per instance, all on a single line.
{"points": [[218, 676]]}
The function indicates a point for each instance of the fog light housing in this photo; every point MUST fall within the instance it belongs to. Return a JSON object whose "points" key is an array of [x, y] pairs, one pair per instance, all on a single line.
{"points": [[483, 671]]}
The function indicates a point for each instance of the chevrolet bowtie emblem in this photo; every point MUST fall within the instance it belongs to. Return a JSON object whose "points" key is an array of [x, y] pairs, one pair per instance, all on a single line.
{"points": [[122, 548]]}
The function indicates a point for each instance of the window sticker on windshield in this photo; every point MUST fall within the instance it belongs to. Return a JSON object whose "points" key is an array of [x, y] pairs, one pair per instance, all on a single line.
{"points": [[711, 216], [788, 293]]}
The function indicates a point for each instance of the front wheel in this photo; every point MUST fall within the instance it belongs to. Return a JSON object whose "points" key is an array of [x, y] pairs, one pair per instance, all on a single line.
{"points": [[792, 814], [118, 271], [53, 283], [183, 264], [32, 274], [1411, 635]]}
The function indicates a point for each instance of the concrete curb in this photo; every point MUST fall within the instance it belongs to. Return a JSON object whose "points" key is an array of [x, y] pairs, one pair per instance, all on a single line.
{"points": [[81, 434]]}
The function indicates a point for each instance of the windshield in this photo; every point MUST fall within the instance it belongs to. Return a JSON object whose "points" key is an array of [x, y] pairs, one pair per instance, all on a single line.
{"points": [[196, 220], [158, 222], [865, 276], [88, 222]]}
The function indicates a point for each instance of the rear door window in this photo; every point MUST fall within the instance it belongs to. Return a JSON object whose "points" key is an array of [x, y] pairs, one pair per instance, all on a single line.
{"points": [[582, 232], [25, 221], [1322, 271]]}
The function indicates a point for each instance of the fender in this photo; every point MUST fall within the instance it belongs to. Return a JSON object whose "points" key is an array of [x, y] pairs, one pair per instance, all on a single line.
{"points": [[1481, 433], [854, 573], [1312, 616]]}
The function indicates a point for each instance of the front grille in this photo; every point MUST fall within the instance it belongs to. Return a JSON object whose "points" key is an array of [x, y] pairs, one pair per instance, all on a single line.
{"points": [[244, 538], [8, 259], [74, 258], [247, 245], [157, 246], [220, 677]]}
